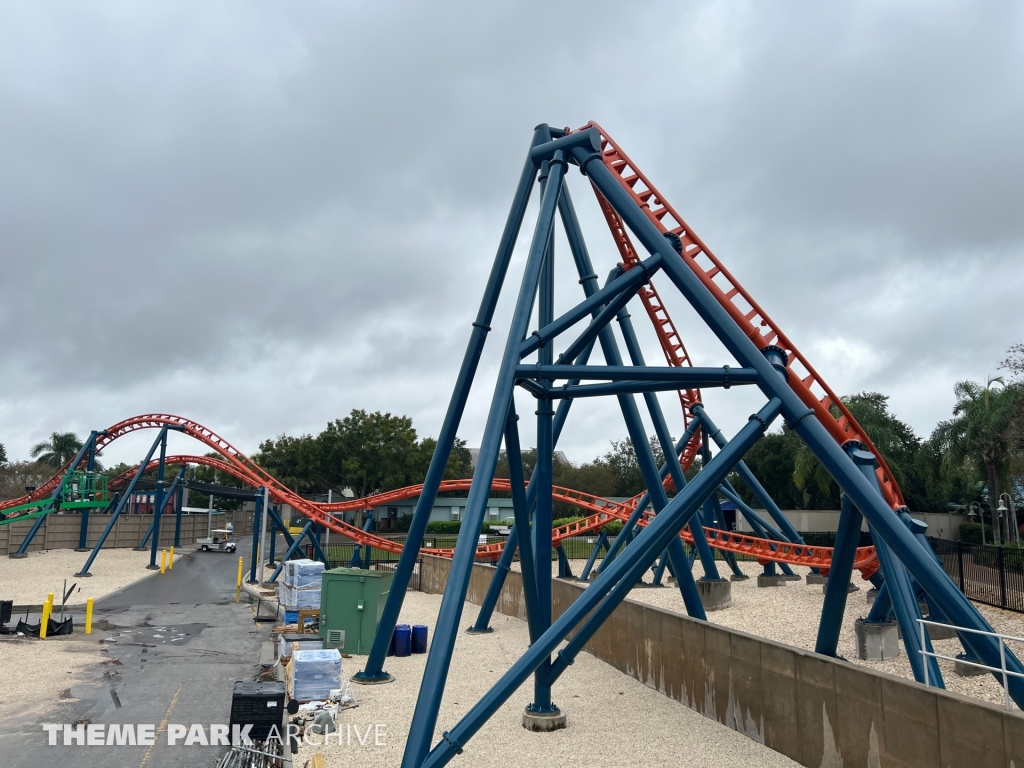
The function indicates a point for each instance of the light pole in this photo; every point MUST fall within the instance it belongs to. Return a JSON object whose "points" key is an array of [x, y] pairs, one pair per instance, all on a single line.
{"points": [[972, 513], [1011, 518]]}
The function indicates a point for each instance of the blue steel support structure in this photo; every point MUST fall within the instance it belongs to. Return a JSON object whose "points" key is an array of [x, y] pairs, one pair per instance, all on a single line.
{"points": [[602, 542], [602, 597], [158, 506], [707, 557], [374, 669], [254, 555], [864, 495], [837, 587], [174, 487], [128, 492], [604, 594], [630, 411], [87, 449], [357, 559]]}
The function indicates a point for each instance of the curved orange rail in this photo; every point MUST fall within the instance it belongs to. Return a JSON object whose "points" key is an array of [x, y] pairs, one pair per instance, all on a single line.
{"points": [[761, 329], [600, 512]]}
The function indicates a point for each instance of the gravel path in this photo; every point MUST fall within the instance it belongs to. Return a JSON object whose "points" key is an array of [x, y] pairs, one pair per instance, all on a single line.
{"points": [[27, 581], [613, 719], [33, 672]]}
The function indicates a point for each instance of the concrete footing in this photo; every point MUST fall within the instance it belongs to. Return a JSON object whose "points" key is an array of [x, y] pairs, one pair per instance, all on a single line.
{"points": [[715, 594], [771, 581], [474, 631], [816, 578], [966, 670], [794, 577], [739, 577], [16, 556], [876, 641], [851, 587], [544, 722]]}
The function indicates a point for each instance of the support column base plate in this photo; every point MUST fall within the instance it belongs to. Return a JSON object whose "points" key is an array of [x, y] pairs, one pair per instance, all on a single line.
{"points": [[382, 680]]}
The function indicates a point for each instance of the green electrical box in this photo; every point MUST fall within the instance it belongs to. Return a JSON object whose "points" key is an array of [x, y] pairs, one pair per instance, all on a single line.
{"points": [[351, 602]]}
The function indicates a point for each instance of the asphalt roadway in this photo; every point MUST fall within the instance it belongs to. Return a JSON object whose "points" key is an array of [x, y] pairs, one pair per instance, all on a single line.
{"points": [[174, 646]]}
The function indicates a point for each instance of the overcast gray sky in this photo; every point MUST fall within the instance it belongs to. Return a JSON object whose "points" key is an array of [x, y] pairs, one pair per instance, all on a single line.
{"points": [[262, 215]]}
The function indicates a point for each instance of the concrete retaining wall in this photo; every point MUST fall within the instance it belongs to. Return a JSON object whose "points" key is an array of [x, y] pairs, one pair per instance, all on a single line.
{"points": [[819, 711], [61, 531]]}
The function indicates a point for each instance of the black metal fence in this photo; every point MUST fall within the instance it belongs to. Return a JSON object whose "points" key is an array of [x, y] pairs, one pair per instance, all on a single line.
{"points": [[987, 574]]}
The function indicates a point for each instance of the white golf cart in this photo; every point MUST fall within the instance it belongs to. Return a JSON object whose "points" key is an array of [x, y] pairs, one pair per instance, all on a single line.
{"points": [[218, 543]]}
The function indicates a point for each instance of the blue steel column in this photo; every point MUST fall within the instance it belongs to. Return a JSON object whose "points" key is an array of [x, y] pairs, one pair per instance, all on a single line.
{"points": [[177, 505], [541, 530], [521, 508], [439, 656], [842, 469], [254, 556], [374, 669], [602, 541], [605, 594], [839, 573], [707, 557], [158, 508]]}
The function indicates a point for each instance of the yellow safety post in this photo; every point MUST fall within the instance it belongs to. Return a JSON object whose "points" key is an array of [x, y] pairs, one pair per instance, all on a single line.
{"points": [[163, 560], [88, 616], [170, 560], [49, 598], [45, 619], [238, 583]]}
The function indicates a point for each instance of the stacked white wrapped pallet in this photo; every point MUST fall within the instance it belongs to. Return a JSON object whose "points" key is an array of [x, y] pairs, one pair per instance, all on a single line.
{"points": [[300, 585], [315, 674]]}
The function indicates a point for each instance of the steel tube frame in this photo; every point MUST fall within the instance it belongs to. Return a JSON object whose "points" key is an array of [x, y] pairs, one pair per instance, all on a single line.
{"points": [[837, 588], [254, 555], [607, 591], [124, 499], [85, 449], [508, 553], [170, 490], [630, 411], [707, 376], [602, 541], [158, 507], [835, 461], [786, 527], [621, 387], [374, 669], [439, 657], [707, 557], [629, 282]]}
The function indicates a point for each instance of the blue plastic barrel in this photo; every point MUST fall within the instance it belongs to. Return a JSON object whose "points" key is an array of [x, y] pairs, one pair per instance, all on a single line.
{"points": [[391, 645], [403, 640], [419, 638]]}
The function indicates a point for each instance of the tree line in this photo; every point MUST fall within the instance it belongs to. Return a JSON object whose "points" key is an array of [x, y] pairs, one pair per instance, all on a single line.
{"points": [[974, 456]]}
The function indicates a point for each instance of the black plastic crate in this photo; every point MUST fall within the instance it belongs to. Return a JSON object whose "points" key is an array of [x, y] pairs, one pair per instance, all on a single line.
{"points": [[260, 705]]}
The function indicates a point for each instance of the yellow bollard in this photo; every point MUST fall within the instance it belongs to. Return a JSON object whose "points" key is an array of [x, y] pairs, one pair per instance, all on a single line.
{"points": [[88, 616], [238, 583], [170, 560], [163, 560], [45, 619], [49, 598]]}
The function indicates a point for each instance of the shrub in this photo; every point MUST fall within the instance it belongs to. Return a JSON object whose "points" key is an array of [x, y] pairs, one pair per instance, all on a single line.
{"points": [[402, 524], [564, 521], [971, 533], [614, 528], [444, 526]]}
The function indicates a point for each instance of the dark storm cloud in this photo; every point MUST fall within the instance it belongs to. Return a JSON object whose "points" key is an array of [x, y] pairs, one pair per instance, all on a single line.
{"points": [[262, 216]]}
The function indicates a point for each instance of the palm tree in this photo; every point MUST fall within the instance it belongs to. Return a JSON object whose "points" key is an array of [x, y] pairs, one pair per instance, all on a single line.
{"points": [[983, 430], [61, 448]]}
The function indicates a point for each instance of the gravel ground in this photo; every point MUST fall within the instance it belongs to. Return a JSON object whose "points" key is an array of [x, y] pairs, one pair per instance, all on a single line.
{"points": [[34, 672], [613, 719], [52, 664], [790, 614], [27, 581]]}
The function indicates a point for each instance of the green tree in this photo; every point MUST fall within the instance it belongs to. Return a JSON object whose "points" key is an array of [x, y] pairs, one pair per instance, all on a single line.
{"points": [[984, 433], [369, 452], [58, 450], [3, 455]]}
